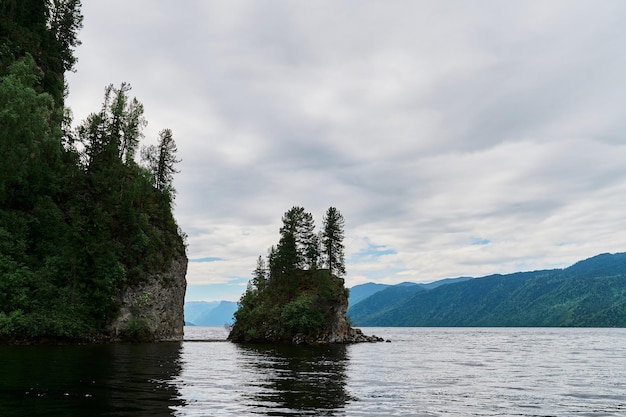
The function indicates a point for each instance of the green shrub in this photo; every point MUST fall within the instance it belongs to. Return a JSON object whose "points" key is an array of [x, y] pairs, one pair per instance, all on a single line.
{"points": [[303, 315]]}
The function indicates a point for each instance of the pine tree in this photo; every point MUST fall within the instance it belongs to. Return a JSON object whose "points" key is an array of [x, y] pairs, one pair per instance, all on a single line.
{"points": [[332, 242], [286, 250], [161, 160], [259, 276], [306, 241], [65, 21], [126, 123], [298, 247]]}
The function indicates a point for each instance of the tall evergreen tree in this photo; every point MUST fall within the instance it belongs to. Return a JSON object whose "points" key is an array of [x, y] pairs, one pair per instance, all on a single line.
{"points": [[298, 246], [306, 241], [161, 160], [259, 276], [332, 242], [287, 260], [112, 135], [64, 21], [126, 123]]}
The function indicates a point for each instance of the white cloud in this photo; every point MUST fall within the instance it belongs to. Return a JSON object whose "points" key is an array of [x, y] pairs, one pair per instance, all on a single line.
{"points": [[430, 125]]}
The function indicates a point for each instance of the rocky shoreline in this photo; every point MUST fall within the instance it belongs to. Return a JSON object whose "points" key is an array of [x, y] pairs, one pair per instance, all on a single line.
{"points": [[352, 336]]}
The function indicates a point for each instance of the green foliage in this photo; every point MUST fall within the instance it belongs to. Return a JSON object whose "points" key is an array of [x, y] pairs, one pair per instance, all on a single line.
{"points": [[26, 145], [137, 330], [301, 315], [76, 226], [111, 136], [47, 30], [291, 297]]}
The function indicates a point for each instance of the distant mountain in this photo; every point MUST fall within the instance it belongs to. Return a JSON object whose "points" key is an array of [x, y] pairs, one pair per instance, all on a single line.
{"points": [[590, 293], [382, 300], [195, 309], [362, 291], [213, 313], [371, 298], [445, 281]]}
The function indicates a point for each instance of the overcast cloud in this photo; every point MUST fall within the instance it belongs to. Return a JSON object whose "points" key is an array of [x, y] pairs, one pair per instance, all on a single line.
{"points": [[457, 138]]}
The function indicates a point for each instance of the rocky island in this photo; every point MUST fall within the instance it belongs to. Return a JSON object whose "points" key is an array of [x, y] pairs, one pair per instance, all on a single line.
{"points": [[298, 295]]}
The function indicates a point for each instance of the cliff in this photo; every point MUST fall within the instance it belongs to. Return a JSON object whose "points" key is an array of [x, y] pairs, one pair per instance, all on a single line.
{"points": [[153, 309], [337, 328]]}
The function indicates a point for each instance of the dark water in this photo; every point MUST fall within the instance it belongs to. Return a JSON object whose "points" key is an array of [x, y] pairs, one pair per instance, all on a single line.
{"points": [[112, 380], [423, 372]]}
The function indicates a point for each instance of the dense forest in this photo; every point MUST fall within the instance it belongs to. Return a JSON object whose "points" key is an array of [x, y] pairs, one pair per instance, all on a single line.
{"points": [[590, 293], [296, 290], [81, 217]]}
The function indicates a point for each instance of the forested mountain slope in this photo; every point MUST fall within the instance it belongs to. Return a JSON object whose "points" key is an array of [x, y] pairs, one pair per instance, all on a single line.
{"points": [[589, 293], [382, 301]]}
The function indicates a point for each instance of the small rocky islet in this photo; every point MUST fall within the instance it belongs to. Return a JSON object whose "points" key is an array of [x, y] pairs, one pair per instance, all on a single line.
{"points": [[298, 295]]}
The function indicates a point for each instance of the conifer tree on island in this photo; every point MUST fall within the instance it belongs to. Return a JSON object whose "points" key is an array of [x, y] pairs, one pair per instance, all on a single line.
{"points": [[332, 242], [298, 296]]}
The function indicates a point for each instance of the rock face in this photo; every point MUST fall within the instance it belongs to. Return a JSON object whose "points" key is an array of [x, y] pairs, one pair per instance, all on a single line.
{"points": [[154, 309], [338, 329]]}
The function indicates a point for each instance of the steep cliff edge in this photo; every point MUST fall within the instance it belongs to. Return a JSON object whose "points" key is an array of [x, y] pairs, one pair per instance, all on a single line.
{"points": [[153, 309], [338, 329]]}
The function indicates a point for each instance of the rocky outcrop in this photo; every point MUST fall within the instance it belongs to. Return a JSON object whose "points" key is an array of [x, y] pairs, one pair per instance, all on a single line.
{"points": [[338, 329], [153, 310], [305, 307], [351, 336]]}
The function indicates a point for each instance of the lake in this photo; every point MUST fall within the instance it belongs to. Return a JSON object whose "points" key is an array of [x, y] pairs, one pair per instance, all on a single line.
{"points": [[422, 372]]}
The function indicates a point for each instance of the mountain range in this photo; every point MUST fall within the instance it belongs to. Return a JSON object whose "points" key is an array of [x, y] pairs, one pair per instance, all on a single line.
{"points": [[209, 313], [590, 293]]}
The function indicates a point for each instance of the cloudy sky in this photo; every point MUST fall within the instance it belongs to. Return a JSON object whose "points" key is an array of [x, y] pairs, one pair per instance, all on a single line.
{"points": [[457, 138]]}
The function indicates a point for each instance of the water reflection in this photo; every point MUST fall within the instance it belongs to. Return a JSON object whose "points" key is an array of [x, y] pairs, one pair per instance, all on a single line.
{"points": [[112, 380], [292, 380]]}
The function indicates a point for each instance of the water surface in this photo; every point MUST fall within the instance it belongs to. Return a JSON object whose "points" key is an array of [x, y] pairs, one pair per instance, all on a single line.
{"points": [[422, 372]]}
